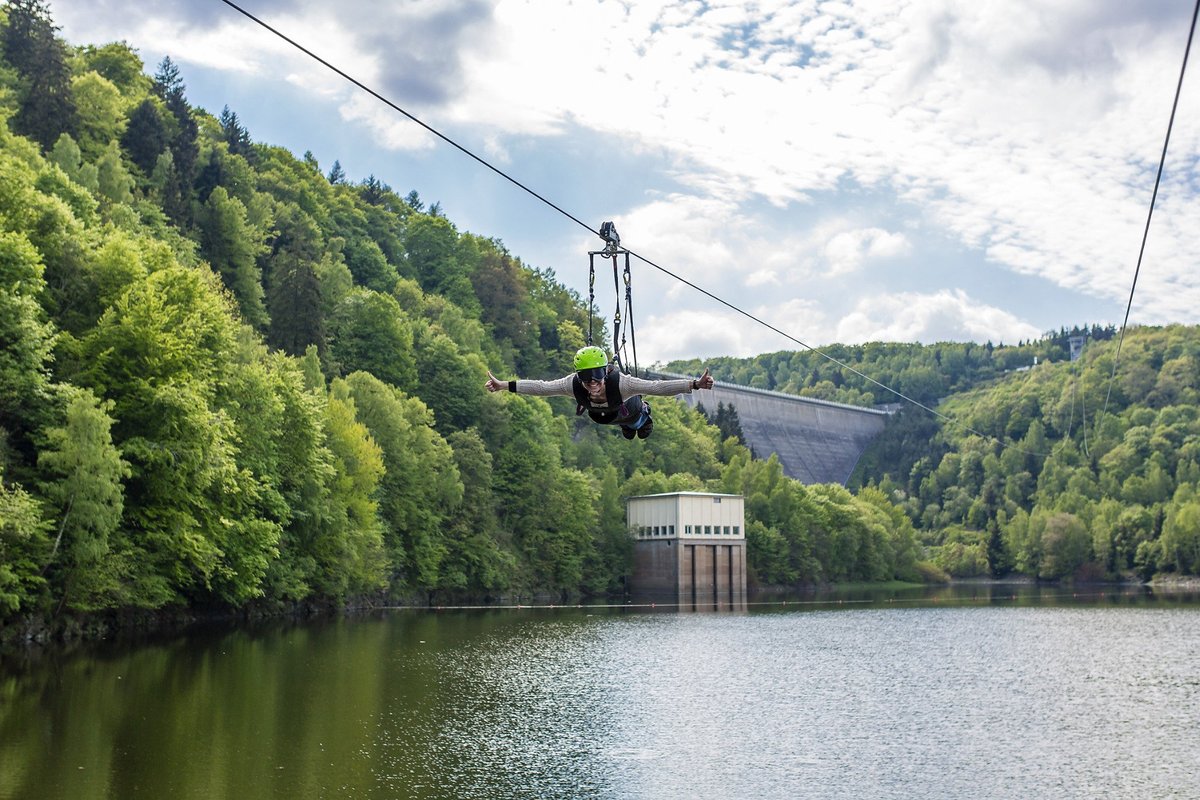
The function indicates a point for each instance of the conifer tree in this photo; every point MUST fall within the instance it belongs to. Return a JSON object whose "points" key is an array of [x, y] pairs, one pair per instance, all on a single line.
{"points": [[293, 288], [145, 136], [184, 144], [46, 108], [236, 135], [229, 244], [337, 175], [374, 190]]}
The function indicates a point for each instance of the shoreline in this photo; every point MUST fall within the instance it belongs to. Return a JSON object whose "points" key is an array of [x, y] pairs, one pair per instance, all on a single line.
{"points": [[36, 634]]}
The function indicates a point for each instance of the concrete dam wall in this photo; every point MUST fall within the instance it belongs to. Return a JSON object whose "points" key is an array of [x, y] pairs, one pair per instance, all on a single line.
{"points": [[817, 441]]}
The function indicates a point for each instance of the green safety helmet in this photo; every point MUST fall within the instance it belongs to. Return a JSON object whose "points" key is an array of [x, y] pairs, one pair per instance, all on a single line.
{"points": [[590, 357]]}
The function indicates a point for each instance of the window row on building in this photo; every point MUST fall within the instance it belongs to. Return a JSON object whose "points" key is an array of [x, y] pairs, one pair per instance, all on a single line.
{"points": [[652, 531]]}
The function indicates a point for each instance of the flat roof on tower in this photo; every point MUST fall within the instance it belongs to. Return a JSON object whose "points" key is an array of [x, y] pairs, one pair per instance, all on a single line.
{"points": [[685, 494]]}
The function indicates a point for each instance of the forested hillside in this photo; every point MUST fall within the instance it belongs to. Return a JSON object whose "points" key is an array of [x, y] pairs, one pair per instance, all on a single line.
{"points": [[230, 376], [1054, 470]]}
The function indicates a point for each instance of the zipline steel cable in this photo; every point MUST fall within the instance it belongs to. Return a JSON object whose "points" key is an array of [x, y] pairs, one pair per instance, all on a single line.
{"points": [[1150, 214], [945, 418]]}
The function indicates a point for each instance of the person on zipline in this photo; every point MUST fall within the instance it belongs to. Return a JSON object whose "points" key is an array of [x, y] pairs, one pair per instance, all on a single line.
{"points": [[609, 396]]}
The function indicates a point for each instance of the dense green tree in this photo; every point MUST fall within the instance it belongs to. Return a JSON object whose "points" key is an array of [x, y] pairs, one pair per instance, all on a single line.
{"points": [[46, 108], [420, 483], [368, 265], [83, 476], [186, 533], [373, 191], [547, 509], [230, 244], [145, 136], [237, 138], [1065, 546], [337, 175], [182, 136], [964, 554], [369, 332], [728, 423], [118, 63], [1180, 543], [101, 112], [350, 554], [448, 381], [476, 558], [24, 546], [68, 157], [113, 182], [609, 561], [442, 263], [165, 186], [26, 342], [305, 469], [293, 288], [295, 307], [502, 289], [119, 261]]}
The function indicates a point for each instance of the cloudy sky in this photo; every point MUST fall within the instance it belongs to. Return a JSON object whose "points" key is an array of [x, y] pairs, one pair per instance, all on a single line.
{"points": [[848, 171]]}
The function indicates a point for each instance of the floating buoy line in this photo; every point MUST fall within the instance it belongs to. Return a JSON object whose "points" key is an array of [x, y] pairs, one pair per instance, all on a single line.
{"points": [[613, 249]]}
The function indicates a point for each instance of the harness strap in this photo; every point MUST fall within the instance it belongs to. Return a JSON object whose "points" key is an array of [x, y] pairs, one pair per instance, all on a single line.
{"points": [[617, 412]]}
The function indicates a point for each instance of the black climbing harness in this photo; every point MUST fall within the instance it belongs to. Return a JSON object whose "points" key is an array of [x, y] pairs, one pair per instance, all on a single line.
{"points": [[612, 249]]}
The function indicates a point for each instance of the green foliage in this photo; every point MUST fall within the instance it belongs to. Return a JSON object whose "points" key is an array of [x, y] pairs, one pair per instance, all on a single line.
{"points": [[145, 136], [182, 141], [45, 108], [119, 64], [369, 266], [114, 184], [476, 556], [298, 461], [1181, 539], [156, 352], [349, 552], [83, 476], [231, 245], [449, 381], [369, 332], [26, 339], [24, 545], [420, 484], [67, 156], [964, 554], [101, 112], [306, 421]]}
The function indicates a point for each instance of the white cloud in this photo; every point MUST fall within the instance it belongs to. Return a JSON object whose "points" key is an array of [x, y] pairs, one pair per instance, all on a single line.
{"points": [[1033, 144], [763, 277], [1028, 141], [706, 333], [386, 126], [948, 315], [847, 250]]}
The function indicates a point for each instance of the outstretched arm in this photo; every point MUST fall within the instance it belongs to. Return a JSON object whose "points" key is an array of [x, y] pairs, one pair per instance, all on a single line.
{"points": [[664, 388], [560, 387]]}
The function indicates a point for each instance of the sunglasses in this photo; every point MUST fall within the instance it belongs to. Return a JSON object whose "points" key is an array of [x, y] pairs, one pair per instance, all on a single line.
{"points": [[593, 374]]}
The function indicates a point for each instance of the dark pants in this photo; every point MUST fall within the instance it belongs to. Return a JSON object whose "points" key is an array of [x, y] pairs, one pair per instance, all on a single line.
{"points": [[641, 425]]}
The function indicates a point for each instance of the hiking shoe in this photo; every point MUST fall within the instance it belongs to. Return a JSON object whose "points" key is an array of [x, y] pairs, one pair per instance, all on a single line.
{"points": [[646, 429], [628, 433]]}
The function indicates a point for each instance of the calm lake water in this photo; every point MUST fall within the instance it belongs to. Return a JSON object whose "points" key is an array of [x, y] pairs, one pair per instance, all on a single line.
{"points": [[1003, 694]]}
